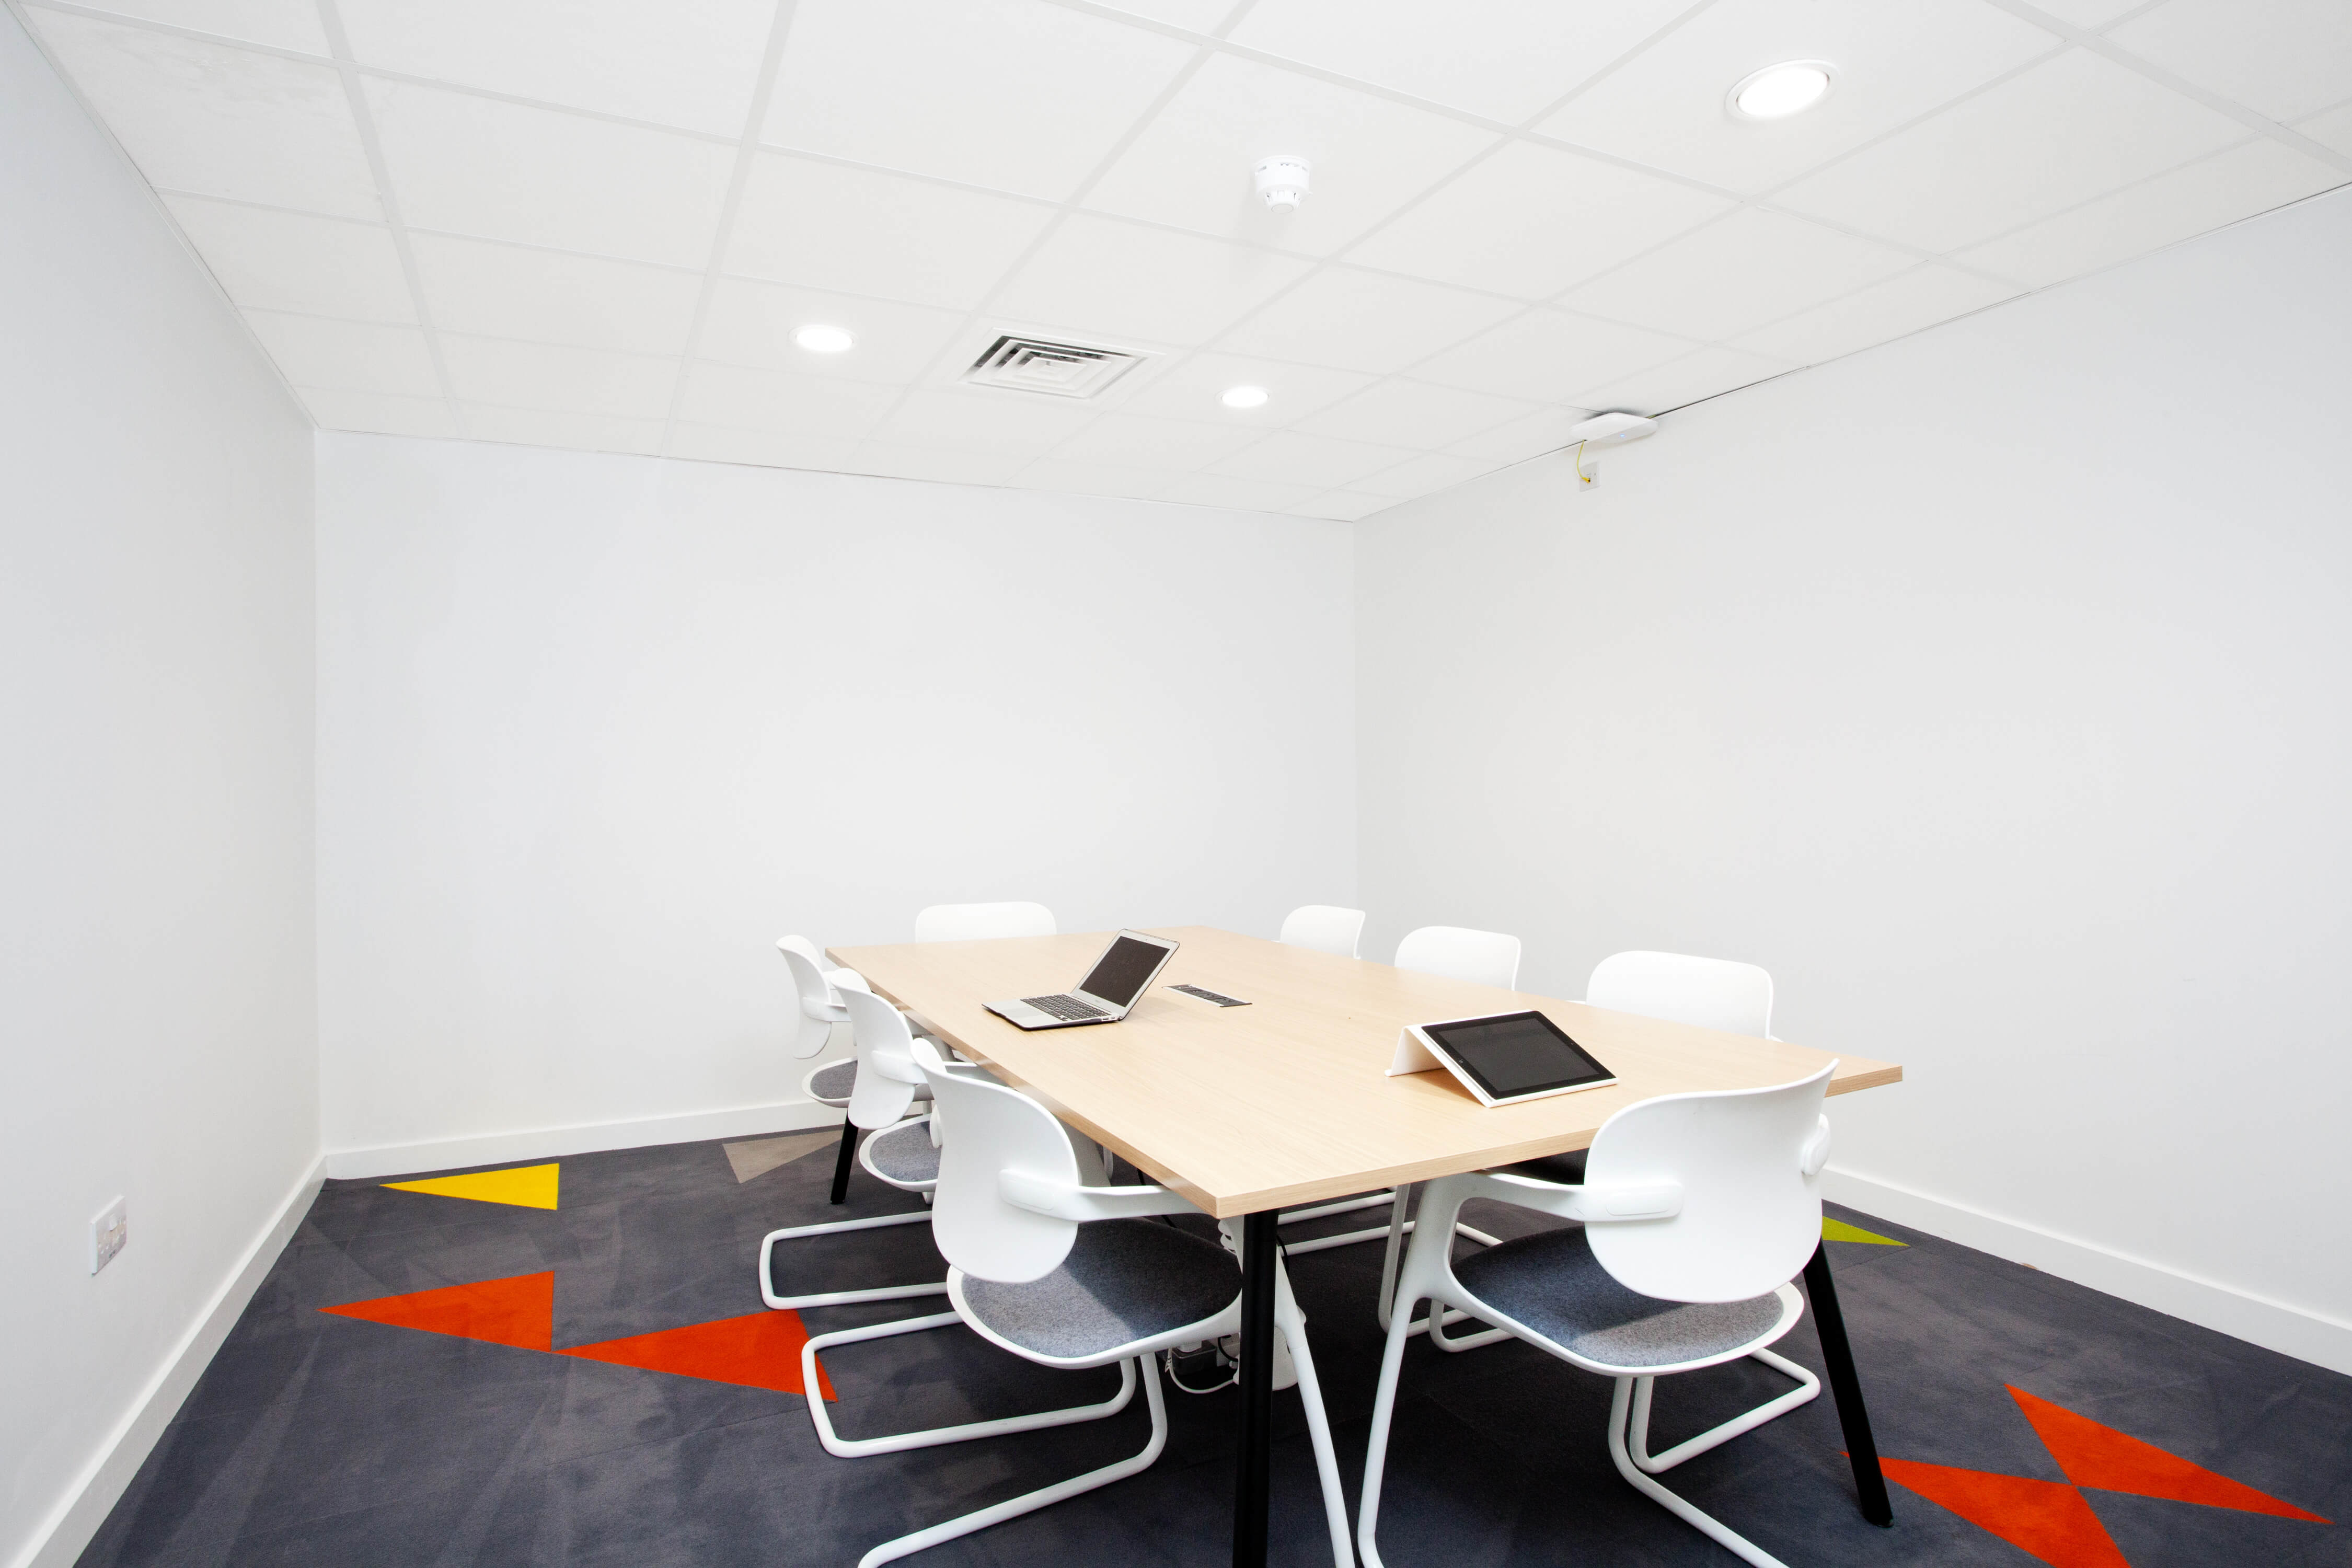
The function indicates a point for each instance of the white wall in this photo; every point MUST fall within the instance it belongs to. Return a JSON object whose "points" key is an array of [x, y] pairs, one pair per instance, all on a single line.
{"points": [[597, 730], [157, 1030], [1993, 689]]}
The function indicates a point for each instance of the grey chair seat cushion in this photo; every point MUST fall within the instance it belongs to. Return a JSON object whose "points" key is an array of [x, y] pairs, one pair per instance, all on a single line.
{"points": [[904, 1154], [830, 1084], [1125, 1280], [1553, 1284]]}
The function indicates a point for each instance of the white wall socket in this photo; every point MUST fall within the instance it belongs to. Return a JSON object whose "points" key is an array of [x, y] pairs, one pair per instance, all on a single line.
{"points": [[107, 1234]]}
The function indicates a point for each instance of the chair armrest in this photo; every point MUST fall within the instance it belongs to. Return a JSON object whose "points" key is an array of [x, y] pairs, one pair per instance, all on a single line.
{"points": [[1064, 1200], [1616, 1203]]}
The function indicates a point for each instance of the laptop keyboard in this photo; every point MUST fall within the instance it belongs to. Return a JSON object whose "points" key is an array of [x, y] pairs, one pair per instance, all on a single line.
{"points": [[1065, 1007]]}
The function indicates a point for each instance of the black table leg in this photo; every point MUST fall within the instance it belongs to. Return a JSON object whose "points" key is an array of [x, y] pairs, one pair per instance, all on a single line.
{"points": [[841, 1161], [1253, 1484], [1861, 1450]]}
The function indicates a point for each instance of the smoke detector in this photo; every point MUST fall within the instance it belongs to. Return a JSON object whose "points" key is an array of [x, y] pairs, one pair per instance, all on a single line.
{"points": [[1281, 181], [1058, 370]]}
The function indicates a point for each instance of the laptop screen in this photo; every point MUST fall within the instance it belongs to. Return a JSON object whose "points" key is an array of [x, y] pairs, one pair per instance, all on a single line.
{"points": [[1122, 972]]}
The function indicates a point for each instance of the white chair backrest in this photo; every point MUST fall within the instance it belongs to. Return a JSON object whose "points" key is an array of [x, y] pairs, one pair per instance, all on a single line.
{"points": [[1749, 1161], [887, 1073], [1705, 993], [980, 922], [996, 1129], [817, 1000], [1326, 928], [1481, 957]]}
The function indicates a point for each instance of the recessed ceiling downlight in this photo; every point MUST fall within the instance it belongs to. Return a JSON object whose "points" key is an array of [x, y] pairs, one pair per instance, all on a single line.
{"points": [[1779, 91], [823, 340], [1243, 397]]}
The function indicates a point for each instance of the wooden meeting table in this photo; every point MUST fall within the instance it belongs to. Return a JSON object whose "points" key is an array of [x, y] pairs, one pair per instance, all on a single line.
{"points": [[1250, 1110]]}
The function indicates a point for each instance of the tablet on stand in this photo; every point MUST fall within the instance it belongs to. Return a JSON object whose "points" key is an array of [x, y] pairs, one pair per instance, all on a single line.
{"points": [[1502, 1058]]}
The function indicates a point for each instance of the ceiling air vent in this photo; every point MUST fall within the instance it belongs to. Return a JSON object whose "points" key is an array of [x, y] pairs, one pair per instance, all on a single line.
{"points": [[1058, 370]]}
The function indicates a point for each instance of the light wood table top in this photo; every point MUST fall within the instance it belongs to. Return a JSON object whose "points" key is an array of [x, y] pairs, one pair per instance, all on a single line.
{"points": [[1287, 1102]]}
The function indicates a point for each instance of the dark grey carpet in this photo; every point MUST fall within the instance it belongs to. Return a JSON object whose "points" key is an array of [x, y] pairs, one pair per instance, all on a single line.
{"points": [[315, 1439]]}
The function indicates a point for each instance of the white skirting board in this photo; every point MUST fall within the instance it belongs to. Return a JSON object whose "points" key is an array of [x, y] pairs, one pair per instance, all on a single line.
{"points": [[553, 1142], [2274, 1325], [61, 1537]]}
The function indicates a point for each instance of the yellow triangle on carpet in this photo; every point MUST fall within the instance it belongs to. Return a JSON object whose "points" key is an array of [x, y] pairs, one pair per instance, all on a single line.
{"points": [[525, 1186], [1838, 1230]]}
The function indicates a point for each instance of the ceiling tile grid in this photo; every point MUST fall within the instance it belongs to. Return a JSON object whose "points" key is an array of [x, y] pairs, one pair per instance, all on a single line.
{"points": [[600, 224]]}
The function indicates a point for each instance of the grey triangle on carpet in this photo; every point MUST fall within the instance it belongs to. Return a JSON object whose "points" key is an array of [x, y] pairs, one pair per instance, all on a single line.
{"points": [[758, 1156]]}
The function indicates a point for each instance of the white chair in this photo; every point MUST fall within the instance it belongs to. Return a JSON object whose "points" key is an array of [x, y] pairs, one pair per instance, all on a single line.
{"points": [[1697, 1212], [818, 990], [1705, 993], [885, 1083], [1066, 1275], [1482, 958], [1326, 928], [983, 922]]}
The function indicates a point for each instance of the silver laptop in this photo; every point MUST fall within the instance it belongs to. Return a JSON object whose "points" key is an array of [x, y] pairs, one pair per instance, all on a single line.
{"points": [[1108, 993]]}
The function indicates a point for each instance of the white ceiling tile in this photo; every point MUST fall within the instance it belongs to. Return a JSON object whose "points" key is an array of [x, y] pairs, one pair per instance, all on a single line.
{"points": [[505, 290], [1420, 476], [566, 380], [1010, 94], [278, 23], [577, 432], [539, 177], [765, 448], [1411, 414], [1752, 268], [943, 465], [1687, 380], [1532, 220], [1133, 441], [2091, 15], [213, 120], [381, 413], [859, 230], [1665, 108], [753, 323], [2046, 140], [1905, 303], [1545, 354], [689, 63], [270, 260], [1199, 16], [1240, 495], [1354, 319], [347, 356], [2285, 58], [1121, 280], [782, 401], [1191, 388], [1193, 166], [2173, 206], [1287, 457], [1058, 473], [1342, 506], [973, 420], [2333, 128], [1524, 438], [1505, 59]]}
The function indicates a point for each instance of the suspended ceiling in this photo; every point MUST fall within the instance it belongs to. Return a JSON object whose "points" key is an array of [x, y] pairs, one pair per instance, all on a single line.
{"points": [[594, 224]]}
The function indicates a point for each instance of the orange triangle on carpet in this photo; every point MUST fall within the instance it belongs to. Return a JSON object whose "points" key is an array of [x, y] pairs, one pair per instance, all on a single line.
{"points": [[761, 1349], [517, 1310], [2106, 1460], [2048, 1519]]}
